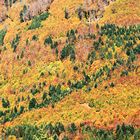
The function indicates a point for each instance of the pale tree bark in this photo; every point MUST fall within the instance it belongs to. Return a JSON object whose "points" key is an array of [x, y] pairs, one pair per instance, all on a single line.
{"points": [[86, 6], [39, 6]]}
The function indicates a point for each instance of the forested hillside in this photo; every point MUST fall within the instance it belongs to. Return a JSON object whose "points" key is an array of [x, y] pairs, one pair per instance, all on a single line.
{"points": [[70, 69]]}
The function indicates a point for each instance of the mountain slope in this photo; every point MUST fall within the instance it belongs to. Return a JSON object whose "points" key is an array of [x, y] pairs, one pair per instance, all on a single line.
{"points": [[72, 63]]}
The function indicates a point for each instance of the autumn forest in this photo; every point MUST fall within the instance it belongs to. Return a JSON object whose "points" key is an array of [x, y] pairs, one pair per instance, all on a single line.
{"points": [[69, 69]]}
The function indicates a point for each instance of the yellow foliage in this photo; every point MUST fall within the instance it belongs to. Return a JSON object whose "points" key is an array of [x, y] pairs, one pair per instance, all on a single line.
{"points": [[123, 11], [122, 101], [12, 138]]}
